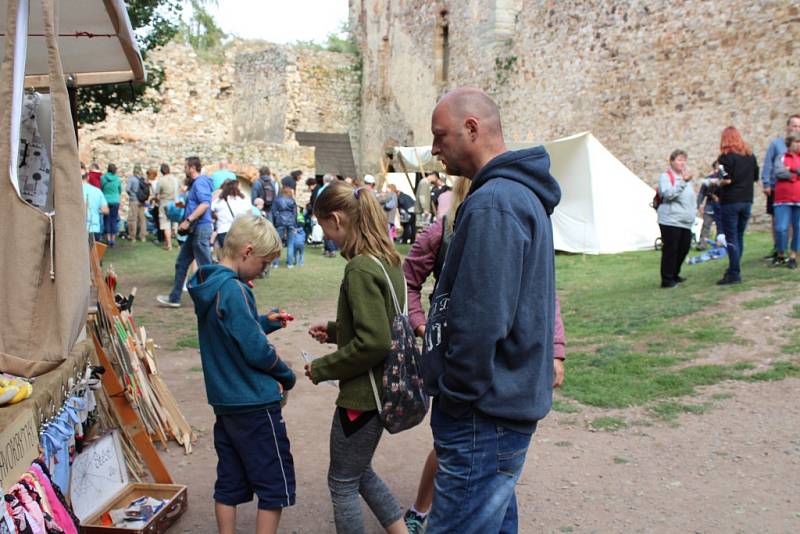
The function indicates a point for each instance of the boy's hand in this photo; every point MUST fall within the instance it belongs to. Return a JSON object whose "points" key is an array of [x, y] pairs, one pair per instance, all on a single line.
{"points": [[319, 332], [281, 316], [308, 371]]}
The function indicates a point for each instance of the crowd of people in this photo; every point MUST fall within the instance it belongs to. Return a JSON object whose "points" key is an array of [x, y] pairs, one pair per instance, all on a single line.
{"points": [[493, 342], [198, 210], [725, 199]]}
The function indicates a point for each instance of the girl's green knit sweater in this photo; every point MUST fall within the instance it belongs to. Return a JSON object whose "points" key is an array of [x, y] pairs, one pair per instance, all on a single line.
{"points": [[361, 332]]}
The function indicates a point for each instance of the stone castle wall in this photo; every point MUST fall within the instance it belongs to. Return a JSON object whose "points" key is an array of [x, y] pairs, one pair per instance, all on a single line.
{"points": [[282, 90], [643, 77]]}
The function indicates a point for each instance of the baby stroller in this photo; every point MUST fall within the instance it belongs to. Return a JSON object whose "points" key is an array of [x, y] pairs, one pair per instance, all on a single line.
{"points": [[696, 227], [315, 236]]}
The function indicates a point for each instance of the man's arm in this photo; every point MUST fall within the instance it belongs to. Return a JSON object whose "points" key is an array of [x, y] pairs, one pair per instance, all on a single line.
{"points": [[255, 192], [417, 266], [767, 169]]}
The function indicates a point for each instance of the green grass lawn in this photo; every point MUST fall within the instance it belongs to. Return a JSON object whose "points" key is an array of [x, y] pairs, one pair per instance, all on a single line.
{"points": [[629, 342]]}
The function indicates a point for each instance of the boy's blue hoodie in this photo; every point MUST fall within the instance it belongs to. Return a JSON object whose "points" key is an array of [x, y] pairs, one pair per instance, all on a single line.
{"points": [[489, 338], [240, 366]]}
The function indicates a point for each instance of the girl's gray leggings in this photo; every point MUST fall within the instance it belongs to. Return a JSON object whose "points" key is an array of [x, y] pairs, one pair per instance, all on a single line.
{"points": [[350, 474]]}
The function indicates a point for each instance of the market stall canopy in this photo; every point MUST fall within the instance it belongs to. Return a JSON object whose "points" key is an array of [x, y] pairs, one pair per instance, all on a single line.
{"points": [[95, 39]]}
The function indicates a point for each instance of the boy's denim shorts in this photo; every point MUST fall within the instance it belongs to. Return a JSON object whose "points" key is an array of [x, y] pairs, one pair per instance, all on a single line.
{"points": [[254, 458]]}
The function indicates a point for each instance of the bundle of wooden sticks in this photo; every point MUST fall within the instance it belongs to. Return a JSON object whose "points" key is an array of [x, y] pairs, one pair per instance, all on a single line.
{"points": [[132, 355]]}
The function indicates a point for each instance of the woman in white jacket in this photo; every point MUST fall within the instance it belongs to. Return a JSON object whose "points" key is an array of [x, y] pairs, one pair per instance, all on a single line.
{"points": [[676, 215], [230, 204]]}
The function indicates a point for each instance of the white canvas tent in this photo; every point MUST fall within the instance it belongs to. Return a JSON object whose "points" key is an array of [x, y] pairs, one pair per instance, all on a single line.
{"points": [[417, 159], [402, 181], [604, 208]]}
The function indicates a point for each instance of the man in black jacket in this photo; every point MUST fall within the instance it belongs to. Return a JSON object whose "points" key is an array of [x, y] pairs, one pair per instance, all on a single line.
{"points": [[408, 219]]}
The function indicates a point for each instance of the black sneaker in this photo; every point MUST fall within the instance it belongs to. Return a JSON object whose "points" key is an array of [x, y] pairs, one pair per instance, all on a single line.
{"points": [[792, 263], [680, 279], [777, 261], [666, 284], [728, 280], [771, 256]]}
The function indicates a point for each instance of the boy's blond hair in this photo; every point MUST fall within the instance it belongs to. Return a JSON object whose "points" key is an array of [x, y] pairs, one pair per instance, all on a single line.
{"points": [[251, 229]]}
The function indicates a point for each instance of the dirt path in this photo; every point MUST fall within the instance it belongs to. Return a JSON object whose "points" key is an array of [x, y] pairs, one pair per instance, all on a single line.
{"points": [[735, 468]]}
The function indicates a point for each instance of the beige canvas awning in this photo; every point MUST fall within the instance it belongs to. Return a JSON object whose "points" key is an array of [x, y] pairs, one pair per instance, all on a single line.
{"points": [[96, 42]]}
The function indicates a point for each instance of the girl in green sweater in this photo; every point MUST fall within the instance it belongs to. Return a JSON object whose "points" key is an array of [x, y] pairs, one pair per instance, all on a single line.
{"points": [[353, 218]]}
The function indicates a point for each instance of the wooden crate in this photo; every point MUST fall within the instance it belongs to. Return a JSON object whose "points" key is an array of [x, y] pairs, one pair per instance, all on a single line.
{"points": [[158, 524]]}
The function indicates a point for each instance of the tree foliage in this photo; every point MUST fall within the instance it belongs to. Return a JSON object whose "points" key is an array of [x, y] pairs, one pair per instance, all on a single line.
{"points": [[202, 31], [341, 41]]}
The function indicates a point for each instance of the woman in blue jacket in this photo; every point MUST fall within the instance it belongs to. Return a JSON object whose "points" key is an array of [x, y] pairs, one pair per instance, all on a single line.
{"points": [[284, 215]]}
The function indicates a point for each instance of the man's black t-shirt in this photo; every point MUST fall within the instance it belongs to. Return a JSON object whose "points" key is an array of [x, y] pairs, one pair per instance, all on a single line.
{"points": [[435, 192]]}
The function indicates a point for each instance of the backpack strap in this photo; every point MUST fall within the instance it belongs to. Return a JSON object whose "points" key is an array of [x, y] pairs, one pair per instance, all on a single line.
{"points": [[404, 310], [671, 177], [375, 391]]}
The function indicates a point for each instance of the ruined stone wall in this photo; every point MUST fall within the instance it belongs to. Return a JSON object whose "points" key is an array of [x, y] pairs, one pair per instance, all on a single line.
{"points": [[261, 97], [246, 105], [195, 101], [644, 77], [281, 90], [324, 91]]}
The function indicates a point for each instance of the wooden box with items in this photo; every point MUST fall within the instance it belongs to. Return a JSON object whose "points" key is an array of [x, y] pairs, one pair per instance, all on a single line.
{"points": [[145, 508]]}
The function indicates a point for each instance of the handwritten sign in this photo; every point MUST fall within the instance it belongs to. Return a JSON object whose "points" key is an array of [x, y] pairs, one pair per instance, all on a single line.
{"points": [[19, 446], [98, 474]]}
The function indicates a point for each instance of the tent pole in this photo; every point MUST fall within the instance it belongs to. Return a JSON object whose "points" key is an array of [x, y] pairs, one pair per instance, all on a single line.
{"points": [[419, 162], [405, 171], [72, 92], [383, 168]]}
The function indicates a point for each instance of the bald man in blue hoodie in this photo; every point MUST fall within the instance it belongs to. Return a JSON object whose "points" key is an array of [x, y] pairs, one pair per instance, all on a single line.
{"points": [[488, 359]]}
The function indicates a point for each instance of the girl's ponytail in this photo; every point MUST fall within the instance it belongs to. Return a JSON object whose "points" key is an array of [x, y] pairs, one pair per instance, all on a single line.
{"points": [[367, 227]]}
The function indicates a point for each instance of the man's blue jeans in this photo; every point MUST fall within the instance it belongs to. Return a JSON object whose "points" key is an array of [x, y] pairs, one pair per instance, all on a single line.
{"points": [[196, 247], [479, 465], [734, 223], [786, 215]]}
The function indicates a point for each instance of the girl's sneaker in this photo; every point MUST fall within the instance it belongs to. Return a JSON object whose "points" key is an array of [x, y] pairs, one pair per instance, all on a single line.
{"points": [[415, 523], [792, 264]]}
